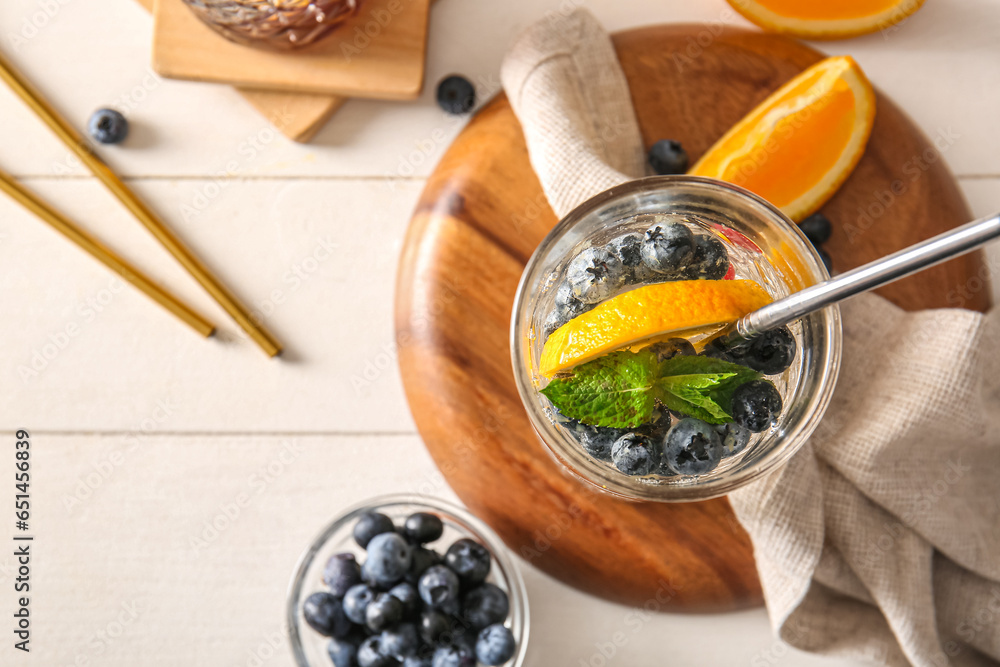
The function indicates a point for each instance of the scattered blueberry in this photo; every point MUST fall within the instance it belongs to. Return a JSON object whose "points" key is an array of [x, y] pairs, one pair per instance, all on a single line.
{"points": [[342, 653], [453, 655], [771, 352], [389, 558], [668, 157], [342, 571], [495, 645], [370, 654], [456, 95], [108, 126], [667, 247], [383, 612], [671, 348], [595, 275], [756, 405], [484, 606], [325, 614], [817, 229], [709, 260], [369, 525], [632, 454], [470, 560], [356, 601], [433, 626], [401, 641], [422, 558], [692, 447], [438, 586], [407, 594], [423, 527]]}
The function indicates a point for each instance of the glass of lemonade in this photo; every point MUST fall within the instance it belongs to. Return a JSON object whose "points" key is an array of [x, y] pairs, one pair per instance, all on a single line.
{"points": [[731, 234]]}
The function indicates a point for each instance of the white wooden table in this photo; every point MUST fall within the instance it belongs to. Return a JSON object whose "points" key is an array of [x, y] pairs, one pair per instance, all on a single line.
{"points": [[145, 435]]}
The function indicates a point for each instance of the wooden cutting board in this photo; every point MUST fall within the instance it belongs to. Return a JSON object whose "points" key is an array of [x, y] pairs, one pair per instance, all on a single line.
{"points": [[377, 53], [480, 217]]}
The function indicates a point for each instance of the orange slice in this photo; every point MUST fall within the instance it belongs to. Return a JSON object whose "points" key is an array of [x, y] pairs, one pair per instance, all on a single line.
{"points": [[647, 312], [826, 19], [800, 144]]}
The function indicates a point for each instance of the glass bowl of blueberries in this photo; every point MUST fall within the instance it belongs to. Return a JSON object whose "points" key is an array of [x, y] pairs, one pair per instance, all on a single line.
{"points": [[407, 581], [649, 412]]}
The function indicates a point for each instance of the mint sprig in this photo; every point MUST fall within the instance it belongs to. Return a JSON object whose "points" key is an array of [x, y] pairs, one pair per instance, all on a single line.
{"points": [[620, 390]]}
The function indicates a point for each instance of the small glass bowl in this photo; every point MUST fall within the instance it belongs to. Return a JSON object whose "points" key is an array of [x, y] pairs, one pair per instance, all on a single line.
{"points": [[309, 646], [780, 257]]}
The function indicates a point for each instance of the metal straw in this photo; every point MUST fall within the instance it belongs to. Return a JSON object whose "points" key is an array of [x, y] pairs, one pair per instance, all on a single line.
{"points": [[104, 255], [156, 227], [883, 271]]}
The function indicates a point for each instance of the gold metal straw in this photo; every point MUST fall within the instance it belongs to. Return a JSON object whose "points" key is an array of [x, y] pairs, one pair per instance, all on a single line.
{"points": [[156, 227], [104, 255]]}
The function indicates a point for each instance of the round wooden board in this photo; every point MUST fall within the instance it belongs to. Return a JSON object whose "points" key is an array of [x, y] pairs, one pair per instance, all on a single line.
{"points": [[479, 219]]}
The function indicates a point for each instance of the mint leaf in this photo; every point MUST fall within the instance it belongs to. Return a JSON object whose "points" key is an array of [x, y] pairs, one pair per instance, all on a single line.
{"points": [[615, 390], [620, 389], [693, 403], [702, 387]]}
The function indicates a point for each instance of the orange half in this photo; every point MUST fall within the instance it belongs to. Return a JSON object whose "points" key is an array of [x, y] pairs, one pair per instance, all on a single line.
{"points": [[800, 144], [826, 19], [647, 312]]}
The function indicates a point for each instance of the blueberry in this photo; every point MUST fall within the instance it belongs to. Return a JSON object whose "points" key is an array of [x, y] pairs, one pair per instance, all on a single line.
{"points": [[756, 405], [422, 558], [456, 95], [401, 641], [668, 157], [433, 626], [484, 606], [108, 126], [817, 229], [389, 558], [628, 249], [383, 612], [771, 352], [342, 653], [495, 645], [341, 572], [438, 586], [733, 436], [717, 352], [672, 347], [369, 525], [595, 275], [356, 601], [469, 559], [667, 247], [407, 594], [371, 654], [597, 440], [632, 454], [566, 308], [709, 260], [325, 614], [453, 655], [692, 447], [423, 527]]}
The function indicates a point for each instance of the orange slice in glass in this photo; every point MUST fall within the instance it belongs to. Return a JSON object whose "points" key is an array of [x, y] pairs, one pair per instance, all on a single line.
{"points": [[826, 19], [647, 312], [800, 144]]}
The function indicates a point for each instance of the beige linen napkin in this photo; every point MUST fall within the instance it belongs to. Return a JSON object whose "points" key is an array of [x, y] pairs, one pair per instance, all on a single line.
{"points": [[880, 540]]}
